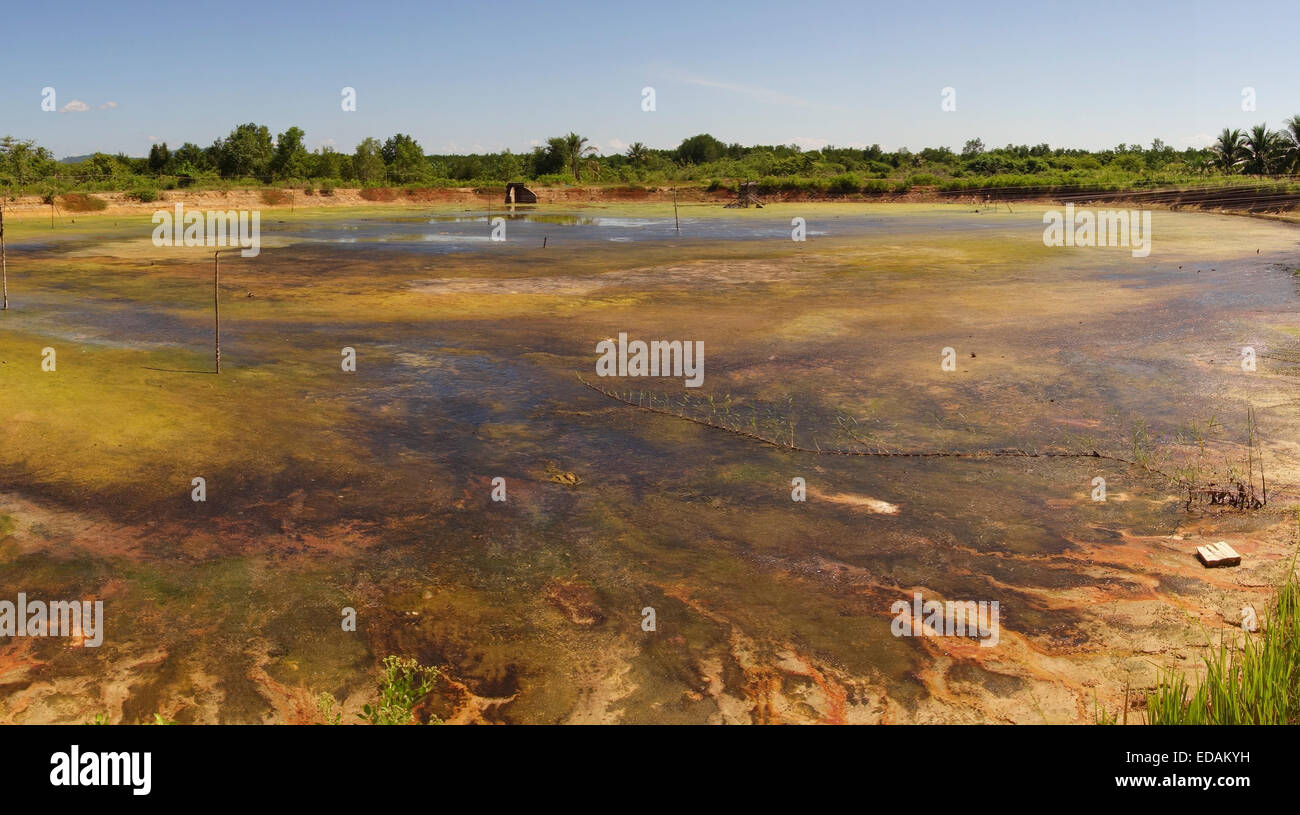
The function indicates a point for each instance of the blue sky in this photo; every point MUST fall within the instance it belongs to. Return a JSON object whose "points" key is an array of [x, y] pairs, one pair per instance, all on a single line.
{"points": [[468, 77]]}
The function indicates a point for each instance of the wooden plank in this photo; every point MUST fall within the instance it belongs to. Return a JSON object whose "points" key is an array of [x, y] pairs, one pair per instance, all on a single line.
{"points": [[1217, 555]]}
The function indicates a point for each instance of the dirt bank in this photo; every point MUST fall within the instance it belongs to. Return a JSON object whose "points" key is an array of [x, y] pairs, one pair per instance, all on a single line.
{"points": [[1245, 199]]}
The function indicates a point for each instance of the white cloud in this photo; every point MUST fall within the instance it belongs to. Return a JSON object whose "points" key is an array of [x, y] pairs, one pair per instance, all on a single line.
{"points": [[78, 106], [765, 95], [761, 94], [617, 145]]}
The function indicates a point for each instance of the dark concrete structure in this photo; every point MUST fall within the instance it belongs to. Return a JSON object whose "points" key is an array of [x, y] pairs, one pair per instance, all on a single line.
{"points": [[517, 193]]}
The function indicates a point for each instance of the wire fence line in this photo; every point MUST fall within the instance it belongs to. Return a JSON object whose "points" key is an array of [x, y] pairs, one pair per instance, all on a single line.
{"points": [[1194, 490]]}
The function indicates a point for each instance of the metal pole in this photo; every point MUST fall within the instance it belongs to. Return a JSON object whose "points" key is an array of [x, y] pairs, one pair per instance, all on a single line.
{"points": [[4, 271], [216, 303]]}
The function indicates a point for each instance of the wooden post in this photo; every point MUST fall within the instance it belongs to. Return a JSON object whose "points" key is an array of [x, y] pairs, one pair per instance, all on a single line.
{"points": [[216, 304], [1262, 482], [1250, 449], [4, 272], [1254, 435], [679, 223]]}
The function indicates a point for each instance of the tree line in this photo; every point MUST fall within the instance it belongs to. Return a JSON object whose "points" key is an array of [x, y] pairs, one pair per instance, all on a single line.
{"points": [[249, 153], [1259, 151]]}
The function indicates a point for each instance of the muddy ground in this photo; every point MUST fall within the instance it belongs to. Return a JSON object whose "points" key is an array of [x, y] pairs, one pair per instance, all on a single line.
{"points": [[372, 490]]}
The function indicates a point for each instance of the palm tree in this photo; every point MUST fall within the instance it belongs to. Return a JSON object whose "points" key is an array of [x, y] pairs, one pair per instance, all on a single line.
{"points": [[1291, 141], [578, 150], [637, 153], [1228, 150], [1261, 149]]}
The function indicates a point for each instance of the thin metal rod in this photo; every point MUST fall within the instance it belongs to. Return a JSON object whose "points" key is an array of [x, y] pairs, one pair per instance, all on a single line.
{"points": [[216, 304], [4, 271]]}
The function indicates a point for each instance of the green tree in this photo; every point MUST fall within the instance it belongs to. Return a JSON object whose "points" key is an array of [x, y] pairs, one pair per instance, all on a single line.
{"points": [[102, 167], [700, 149], [192, 155], [551, 159], [246, 152], [291, 159], [405, 159], [368, 162], [637, 153], [502, 166], [159, 157], [1291, 144], [1229, 151], [23, 160], [577, 150], [328, 163], [1261, 150]]}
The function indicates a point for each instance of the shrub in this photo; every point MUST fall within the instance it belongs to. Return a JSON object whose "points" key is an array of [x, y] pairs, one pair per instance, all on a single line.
{"points": [[145, 196], [327, 191], [80, 202], [404, 683], [553, 180], [846, 184]]}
